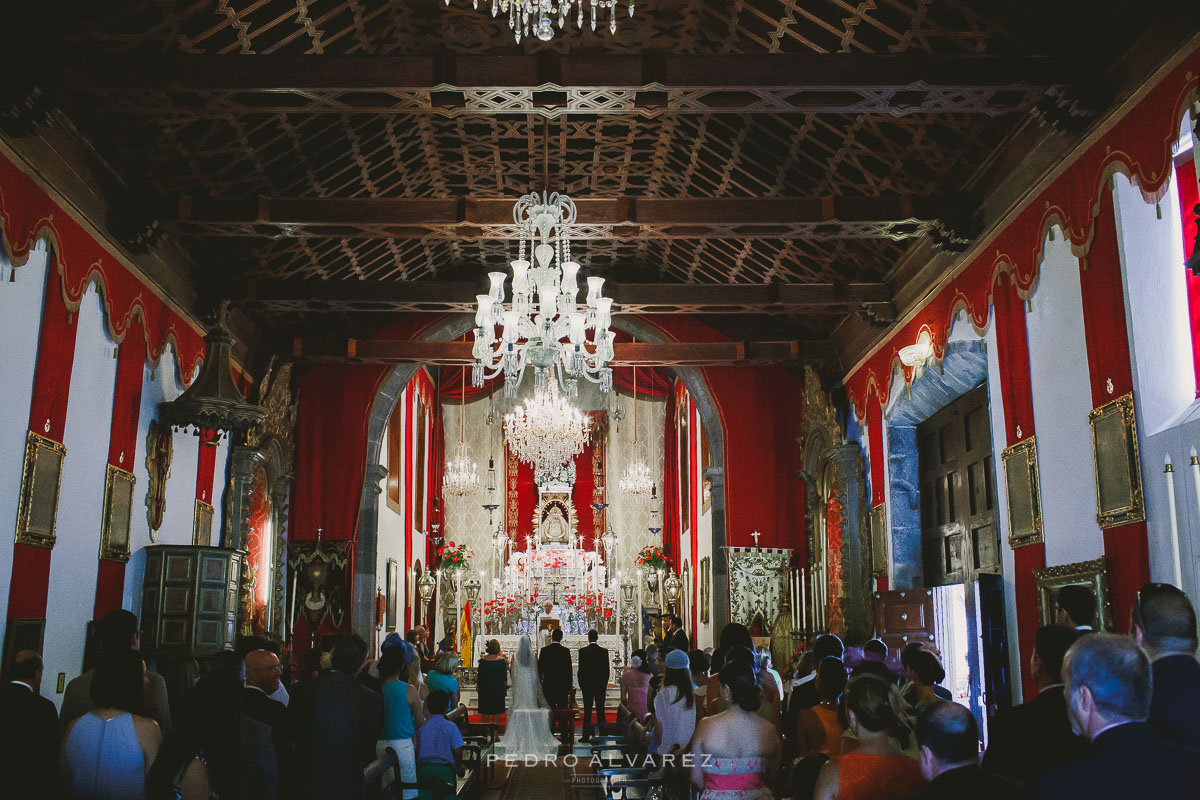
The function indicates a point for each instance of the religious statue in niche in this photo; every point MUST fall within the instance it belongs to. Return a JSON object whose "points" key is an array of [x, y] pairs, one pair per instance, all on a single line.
{"points": [[159, 447], [257, 567], [320, 582], [553, 522]]}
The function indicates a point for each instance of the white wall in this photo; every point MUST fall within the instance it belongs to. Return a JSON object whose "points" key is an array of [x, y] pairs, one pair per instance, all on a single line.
{"points": [[21, 309], [391, 543], [73, 564], [1062, 399]]}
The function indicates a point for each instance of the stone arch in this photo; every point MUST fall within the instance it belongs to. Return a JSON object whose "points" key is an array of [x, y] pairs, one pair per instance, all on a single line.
{"points": [[388, 395]]}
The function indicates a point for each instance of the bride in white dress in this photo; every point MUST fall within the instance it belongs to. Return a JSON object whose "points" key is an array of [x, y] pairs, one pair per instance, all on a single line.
{"points": [[528, 731]]}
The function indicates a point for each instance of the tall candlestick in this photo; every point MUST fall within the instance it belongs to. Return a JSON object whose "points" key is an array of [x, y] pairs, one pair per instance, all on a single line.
{"points": [[1170, 471]]}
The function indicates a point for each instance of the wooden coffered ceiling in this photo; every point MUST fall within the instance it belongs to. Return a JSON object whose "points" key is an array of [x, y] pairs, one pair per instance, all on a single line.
{"points": [[767, 164]]}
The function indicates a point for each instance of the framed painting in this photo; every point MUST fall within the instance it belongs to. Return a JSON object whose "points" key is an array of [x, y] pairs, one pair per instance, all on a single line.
{"points": [[1024, 493], [879, 551], [1119, 498], [118, 513], [202, 524], [37, 509], [1093, 575], [391, 595], [705, 581]]}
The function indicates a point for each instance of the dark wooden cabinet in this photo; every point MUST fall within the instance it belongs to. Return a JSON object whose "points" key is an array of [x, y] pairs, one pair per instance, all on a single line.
{"points": [[189, 599]]}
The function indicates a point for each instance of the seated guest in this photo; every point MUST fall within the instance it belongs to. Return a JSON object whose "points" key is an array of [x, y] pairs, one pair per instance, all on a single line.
{"points": [[1164, 624], [818, 729], [439, 746], [1076, 608], [634, 683], [1107, 683], [29, 735], [492, 682], [949, 741], [335, 724], [924, 672], [107, 752], [441, 677], [118, 633], [732, 635], [403, 713], [262, 679], [736, 753], [763, 656], [875, 661], [1028, 738], [804, 692], [674, 706], [877, 769]]}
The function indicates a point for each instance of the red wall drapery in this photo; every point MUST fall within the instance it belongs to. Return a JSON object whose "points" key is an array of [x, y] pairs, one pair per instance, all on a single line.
{"points": [[1185, 179], [697, 467], [668, 492]]}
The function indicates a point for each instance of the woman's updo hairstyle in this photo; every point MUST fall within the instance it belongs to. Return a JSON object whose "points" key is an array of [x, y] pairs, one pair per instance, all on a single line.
{"points": [[878, 706], [926, 667], [739, 675]]}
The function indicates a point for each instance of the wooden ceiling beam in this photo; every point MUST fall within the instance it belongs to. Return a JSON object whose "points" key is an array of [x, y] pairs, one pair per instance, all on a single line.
{"points": [[626, 354]]}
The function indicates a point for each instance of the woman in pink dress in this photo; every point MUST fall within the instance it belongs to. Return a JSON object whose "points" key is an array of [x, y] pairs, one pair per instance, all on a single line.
{"points": [[635, 682], [735, 754]]}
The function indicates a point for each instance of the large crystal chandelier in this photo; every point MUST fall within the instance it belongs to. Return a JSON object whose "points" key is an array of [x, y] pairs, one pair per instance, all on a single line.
{"points": [[546, 430], [538, 17], [532, 329], [636, 480], [462, 473]]}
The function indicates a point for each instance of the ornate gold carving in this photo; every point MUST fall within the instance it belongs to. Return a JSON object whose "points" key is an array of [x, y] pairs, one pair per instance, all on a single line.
{"points": [[118, 513], [159, 448], [275, 397], [705, 578], [879, 541], [819, 416], [554, 521], [202, 522], [1024, 492], [1091, 574], [41, 479], [1119, 497]]}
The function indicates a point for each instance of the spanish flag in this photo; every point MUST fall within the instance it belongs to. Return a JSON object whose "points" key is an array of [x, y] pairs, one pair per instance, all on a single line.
{"points": [[463, 639]]}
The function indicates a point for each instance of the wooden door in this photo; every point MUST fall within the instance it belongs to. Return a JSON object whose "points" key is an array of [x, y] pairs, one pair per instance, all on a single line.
{"points": [[959, 531], [904, 616]]}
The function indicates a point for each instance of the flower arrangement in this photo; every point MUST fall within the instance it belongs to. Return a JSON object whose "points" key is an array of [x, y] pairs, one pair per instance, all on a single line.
{"points": [[454, 556], [651, 557]]}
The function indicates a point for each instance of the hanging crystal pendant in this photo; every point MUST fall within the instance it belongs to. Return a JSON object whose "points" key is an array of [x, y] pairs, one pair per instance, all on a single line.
{"points": [[535, 17]]}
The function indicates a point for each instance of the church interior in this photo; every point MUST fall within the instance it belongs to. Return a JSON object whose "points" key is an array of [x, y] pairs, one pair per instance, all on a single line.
{"points": [[497, 319]]}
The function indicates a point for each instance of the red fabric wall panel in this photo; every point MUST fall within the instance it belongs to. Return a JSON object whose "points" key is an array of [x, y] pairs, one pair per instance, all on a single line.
{"points": [[206, 467], [668, 491], [1185, 178], [694, 499], [1026, 560], [1128, 552]]}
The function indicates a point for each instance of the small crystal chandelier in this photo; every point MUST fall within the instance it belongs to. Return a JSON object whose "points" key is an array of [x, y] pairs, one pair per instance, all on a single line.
{"points": [[636, 480], [532, 329], [546, 431], [462, 473], [538, 17]]}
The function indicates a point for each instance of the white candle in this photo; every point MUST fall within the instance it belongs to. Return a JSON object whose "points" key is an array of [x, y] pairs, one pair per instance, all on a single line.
{"points": [[1170, 471], [803, 599]]}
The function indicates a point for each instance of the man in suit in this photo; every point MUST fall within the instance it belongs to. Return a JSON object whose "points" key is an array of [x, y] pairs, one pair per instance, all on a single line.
{"points": [[554, 670], [593, 682], [1107, 684], [1029, 738], [1076, 608], [949, 758], [804, 692], [118, 632], [675, 638], [874, 662], [1164, 624], [335, 724], [29, 737], [262, 680]]}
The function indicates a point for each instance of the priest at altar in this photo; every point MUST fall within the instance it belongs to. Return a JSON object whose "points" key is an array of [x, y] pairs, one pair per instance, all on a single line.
{"points": [[549, 620]]}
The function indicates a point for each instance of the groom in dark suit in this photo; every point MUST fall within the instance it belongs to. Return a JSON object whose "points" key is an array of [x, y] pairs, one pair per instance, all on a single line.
{"points": [[593, 682], [554, 669]]}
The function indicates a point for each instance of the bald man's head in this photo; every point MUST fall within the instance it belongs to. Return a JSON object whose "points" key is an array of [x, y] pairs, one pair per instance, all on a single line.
{"points": [[263, 670]]}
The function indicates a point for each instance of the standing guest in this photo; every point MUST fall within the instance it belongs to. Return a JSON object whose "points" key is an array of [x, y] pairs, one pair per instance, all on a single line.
{"points": [[699, 663], [263, 669], [949, 742], [763, 656], [804, 692], [874, 661], [675, 638], [1108, 699], [107, 751], [819, 729], [634, 683], [29, 735], [554, 670], [924, 672], [1164, 624], [335, 724], [492, 682], [674, 706], [733, 635], [441, 677], [179, 674], [118, 634], [877, 768], [1027, 739], [593, 682], [1076, 608], [736, 753], [439, 749], [403, 714]]}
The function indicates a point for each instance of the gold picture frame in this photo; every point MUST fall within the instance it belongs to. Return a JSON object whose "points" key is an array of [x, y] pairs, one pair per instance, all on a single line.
{"points": [[1091, 574], [1119, 496], [41, 480], [1024, 493], [202, 523], [118, 514], [879, 543], [705, 583], [391, 595]]}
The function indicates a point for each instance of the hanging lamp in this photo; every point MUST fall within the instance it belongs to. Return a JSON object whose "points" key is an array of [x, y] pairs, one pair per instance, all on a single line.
{"points": [[636, 480]]}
